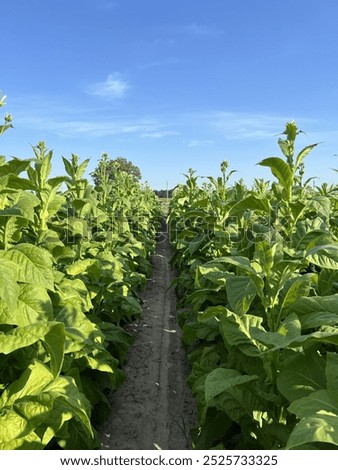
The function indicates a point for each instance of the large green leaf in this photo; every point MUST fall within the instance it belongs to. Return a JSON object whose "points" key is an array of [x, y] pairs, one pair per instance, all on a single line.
{"points": [[35, 264], [251, 202], [11, 229], [298, 287], [324, 256], [240, 403], [51, 333], [329, 335], [34, 305], [16, 432], [9, 288], [314, 312], [221, 380], [74, 292], [244, 266], [303, 153], [288, 331], [321, 205], [212, 272], [240, 292], [23, 184], [322, 427], [26, 203], [301, 375], [15, 166], [39, 403], [281, 170], [80, 266], [236, 333], [267, 255], [306, 239], [314, 403], [81, 333]]}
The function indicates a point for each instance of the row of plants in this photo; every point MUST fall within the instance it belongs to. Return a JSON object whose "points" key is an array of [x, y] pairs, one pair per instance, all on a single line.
{"points": [[258, 287], [73, 258]]}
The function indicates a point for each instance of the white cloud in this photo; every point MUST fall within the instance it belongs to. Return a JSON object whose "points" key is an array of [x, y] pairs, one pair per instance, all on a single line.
{"points": [[158, 134], [200, 30], [71, 128], [199, 143], [113, 87], [234, 126]]}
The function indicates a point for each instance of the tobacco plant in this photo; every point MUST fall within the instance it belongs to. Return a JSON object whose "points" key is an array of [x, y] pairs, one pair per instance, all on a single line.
{"points": [[69, 281], [259, 310]]}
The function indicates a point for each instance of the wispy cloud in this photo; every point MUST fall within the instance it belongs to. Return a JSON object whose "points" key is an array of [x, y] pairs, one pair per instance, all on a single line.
{"points": [[199, 143], [138, 127], [97, 128], [196, 129], [158, 134], [234, 126], [112, 87], [200, 30]]}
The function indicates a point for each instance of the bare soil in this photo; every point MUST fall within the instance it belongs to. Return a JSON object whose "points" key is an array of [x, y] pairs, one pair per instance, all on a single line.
{"points": [[154, 407]]}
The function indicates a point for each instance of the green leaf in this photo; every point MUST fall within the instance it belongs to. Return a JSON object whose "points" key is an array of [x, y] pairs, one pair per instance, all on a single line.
{"points": [[244, 266], [212, 272], [56, 181], [331, 371], [221, 380], [240, 292], [9, 288], [52, 334], [236, 333], [267, 255], [35, 264], [288, 331], [80, 266], [54, 342], [321, 205], [306, 239], [26, 203], [314, 312], [31, 382], [74, 292], [281, 170], [81, 333], [301, 375], [324, 256], [316, 402], [298, 287], [34, 305], [323, 427], [40, 403], [251, 202], [52, 202], [303, 153], [297, 208], [82, 168], [15, 166], [12, 428], [23, 184]]}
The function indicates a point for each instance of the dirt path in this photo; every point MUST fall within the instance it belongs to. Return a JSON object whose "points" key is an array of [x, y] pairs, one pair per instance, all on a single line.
{"points": [[154, 407]]}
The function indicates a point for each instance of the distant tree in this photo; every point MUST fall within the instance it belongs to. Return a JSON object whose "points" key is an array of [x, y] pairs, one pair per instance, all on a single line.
{"points": [[164, 193], [111, 165]]}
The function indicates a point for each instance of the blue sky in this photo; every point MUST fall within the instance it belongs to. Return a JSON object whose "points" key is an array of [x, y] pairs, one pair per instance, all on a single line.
{"points": [[171, 85]]}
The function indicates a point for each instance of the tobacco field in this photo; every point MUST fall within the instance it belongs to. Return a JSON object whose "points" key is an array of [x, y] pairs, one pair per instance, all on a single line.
{"points": [[256, 285], [72, 261]]}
